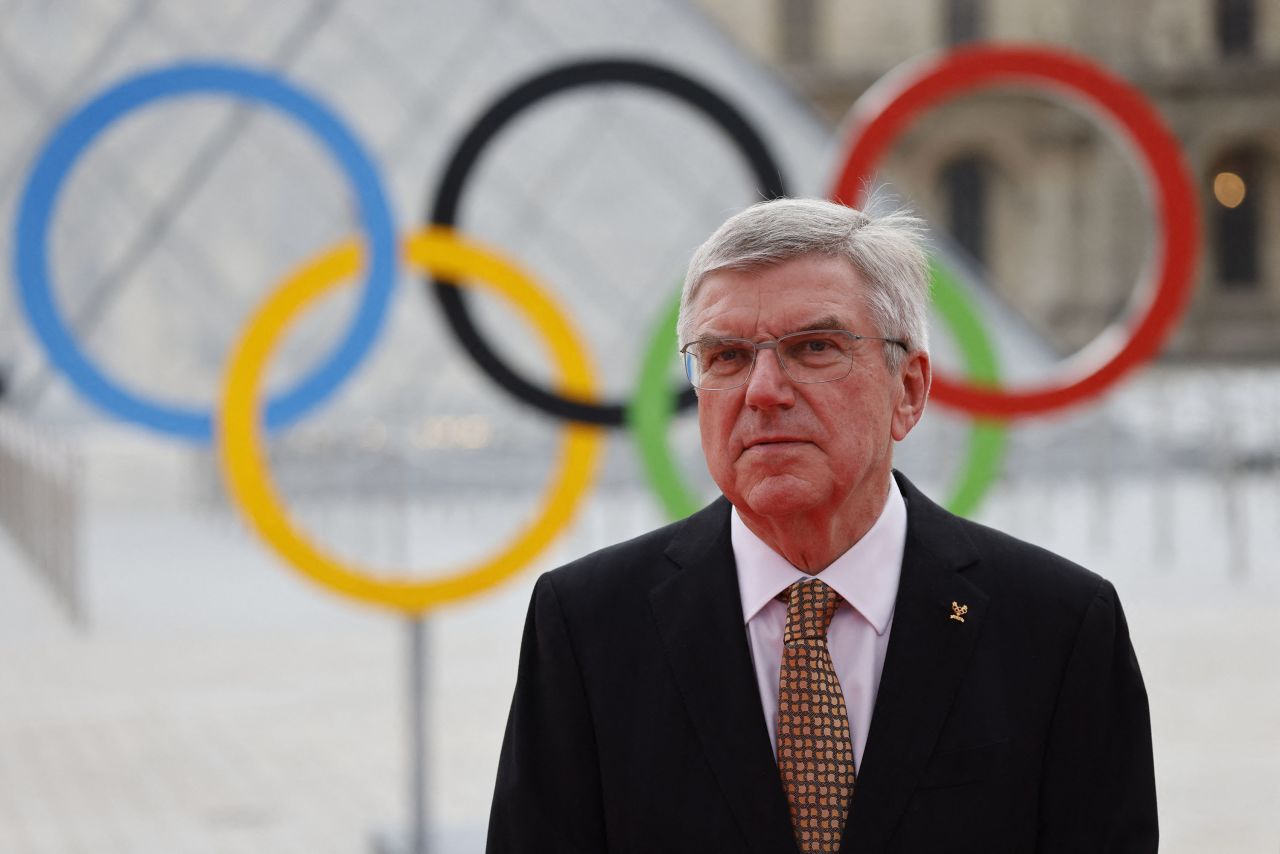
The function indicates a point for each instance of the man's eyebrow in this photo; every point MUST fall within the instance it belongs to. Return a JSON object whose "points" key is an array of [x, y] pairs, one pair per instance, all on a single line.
{"points": [[710, 335], [829, 321]]}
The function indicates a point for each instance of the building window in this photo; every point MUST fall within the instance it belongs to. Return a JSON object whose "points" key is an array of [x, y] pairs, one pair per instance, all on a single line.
{"points": [[1234, 19], [964, 21], [1236, 186], [966, 190]]}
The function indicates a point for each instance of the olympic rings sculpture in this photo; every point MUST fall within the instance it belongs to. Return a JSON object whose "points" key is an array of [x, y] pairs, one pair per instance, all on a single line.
{"points": [[237, 425]]}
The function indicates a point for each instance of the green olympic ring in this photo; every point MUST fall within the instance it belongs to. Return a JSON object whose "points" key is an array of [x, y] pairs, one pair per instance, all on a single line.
{"points": [[652, 408], [987, 437]]}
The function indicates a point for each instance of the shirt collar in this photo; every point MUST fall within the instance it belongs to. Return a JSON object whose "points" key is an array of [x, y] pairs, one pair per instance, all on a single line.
{"points": [[865, 576]]}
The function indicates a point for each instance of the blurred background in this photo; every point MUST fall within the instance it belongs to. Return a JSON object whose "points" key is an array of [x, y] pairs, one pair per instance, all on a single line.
{"points": [[169, 684]]}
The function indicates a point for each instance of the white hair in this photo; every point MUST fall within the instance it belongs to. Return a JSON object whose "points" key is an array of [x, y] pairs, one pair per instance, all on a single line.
{"points": [[888, 252]]}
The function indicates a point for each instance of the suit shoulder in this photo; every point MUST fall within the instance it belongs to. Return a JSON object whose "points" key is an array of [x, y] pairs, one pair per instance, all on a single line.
{"points": [[1032, 575], [1031, 578], [631, 565]]}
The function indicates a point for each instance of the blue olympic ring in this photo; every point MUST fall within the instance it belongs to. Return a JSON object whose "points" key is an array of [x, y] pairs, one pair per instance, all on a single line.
{"points": [[76, 133]]}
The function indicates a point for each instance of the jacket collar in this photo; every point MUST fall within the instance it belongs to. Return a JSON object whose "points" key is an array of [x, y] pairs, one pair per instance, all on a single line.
{"points": [[699, 618], [924, 666]]}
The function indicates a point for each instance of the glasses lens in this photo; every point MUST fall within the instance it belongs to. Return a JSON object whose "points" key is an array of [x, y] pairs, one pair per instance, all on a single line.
{"points": [[719, 364], [815, 357], [807, 357]]}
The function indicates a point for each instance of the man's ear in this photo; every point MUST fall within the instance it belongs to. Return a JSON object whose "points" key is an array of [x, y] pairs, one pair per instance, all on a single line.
{"points": [[915, 374]]}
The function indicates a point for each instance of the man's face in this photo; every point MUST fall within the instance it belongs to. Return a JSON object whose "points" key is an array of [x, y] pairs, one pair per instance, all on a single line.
{"points": [[776, 447]]}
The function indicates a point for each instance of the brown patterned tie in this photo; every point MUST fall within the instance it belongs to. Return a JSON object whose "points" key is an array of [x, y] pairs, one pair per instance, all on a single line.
{"points": [[815, 751]]}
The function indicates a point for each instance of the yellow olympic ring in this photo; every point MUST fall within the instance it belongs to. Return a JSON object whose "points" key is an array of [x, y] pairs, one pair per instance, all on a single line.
{"points": [[243, 460]]}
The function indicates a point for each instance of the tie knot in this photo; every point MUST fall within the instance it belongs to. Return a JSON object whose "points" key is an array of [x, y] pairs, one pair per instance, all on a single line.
{"points": [[810, 606]]}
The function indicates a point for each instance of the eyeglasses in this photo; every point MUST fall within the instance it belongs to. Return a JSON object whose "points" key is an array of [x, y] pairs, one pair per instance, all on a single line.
{"points": [[814, 356]]}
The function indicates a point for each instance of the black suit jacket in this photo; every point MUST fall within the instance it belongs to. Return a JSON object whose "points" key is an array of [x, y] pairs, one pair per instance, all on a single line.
{"points": [[637, 724]]}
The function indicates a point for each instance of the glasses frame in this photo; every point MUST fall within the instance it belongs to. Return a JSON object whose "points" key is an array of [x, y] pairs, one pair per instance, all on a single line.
{"points": [[757, 346]]}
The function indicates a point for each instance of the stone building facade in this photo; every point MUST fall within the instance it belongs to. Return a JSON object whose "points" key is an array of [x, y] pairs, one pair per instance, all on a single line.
{"points": [[1036, 192]]}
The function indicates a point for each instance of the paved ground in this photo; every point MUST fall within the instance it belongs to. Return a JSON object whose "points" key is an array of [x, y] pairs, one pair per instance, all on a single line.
{"points": [[219, 705]]}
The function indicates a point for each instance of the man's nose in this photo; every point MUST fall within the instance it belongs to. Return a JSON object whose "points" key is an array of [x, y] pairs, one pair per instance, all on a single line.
{"points": [[769, 386]]}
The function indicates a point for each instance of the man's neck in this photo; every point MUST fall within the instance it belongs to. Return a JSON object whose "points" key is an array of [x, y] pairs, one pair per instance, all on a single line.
{"points": [[812, 541]]}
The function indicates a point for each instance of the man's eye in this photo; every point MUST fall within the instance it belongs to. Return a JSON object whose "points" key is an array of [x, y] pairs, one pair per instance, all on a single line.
{"points": [[812, 346], [727, 354], [722, 357]]}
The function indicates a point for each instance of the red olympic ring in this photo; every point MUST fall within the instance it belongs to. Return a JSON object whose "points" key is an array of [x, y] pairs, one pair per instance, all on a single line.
{"points": [[1164, 290]]}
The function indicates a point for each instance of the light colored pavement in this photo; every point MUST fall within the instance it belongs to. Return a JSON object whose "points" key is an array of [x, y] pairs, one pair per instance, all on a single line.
{"points": [[219, 704], [225, 706]]}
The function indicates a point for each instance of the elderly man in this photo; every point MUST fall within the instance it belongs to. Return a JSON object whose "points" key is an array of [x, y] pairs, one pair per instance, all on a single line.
{"points": [[822, 660]]}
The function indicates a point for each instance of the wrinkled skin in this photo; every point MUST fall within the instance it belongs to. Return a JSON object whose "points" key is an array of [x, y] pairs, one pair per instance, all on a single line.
{"points": [[807, 465]]}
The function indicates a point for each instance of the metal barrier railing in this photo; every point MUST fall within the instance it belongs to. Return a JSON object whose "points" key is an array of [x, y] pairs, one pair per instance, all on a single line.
{"points": [[40, 508]]}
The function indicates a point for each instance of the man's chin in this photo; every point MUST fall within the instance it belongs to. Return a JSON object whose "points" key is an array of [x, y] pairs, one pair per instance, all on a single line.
{"points": [[780, 496]]}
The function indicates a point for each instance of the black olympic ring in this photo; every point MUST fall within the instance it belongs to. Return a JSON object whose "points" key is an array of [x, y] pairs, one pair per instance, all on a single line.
{"points": [[584, 73]]}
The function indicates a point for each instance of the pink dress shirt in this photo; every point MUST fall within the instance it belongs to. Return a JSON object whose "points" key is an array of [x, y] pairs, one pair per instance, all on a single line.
{"points": [[866, 577]]}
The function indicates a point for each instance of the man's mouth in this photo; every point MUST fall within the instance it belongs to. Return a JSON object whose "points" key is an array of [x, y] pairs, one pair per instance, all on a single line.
{"points": [[775, 440]]}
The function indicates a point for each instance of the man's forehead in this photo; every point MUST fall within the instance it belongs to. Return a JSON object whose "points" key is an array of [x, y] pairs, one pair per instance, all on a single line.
{"points": [[724, 327], [811, 292]]}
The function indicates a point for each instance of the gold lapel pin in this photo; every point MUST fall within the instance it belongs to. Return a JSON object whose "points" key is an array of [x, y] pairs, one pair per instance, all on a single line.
{"points": [[958, 611]]}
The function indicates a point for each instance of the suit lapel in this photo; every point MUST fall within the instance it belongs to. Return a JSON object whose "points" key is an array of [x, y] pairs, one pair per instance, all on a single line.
{"points": [[924, 666], [699, 617]]}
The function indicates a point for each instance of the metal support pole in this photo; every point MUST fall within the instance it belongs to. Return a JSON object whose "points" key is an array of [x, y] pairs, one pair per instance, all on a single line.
{"points": [[411, 836], [418, 735]]}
